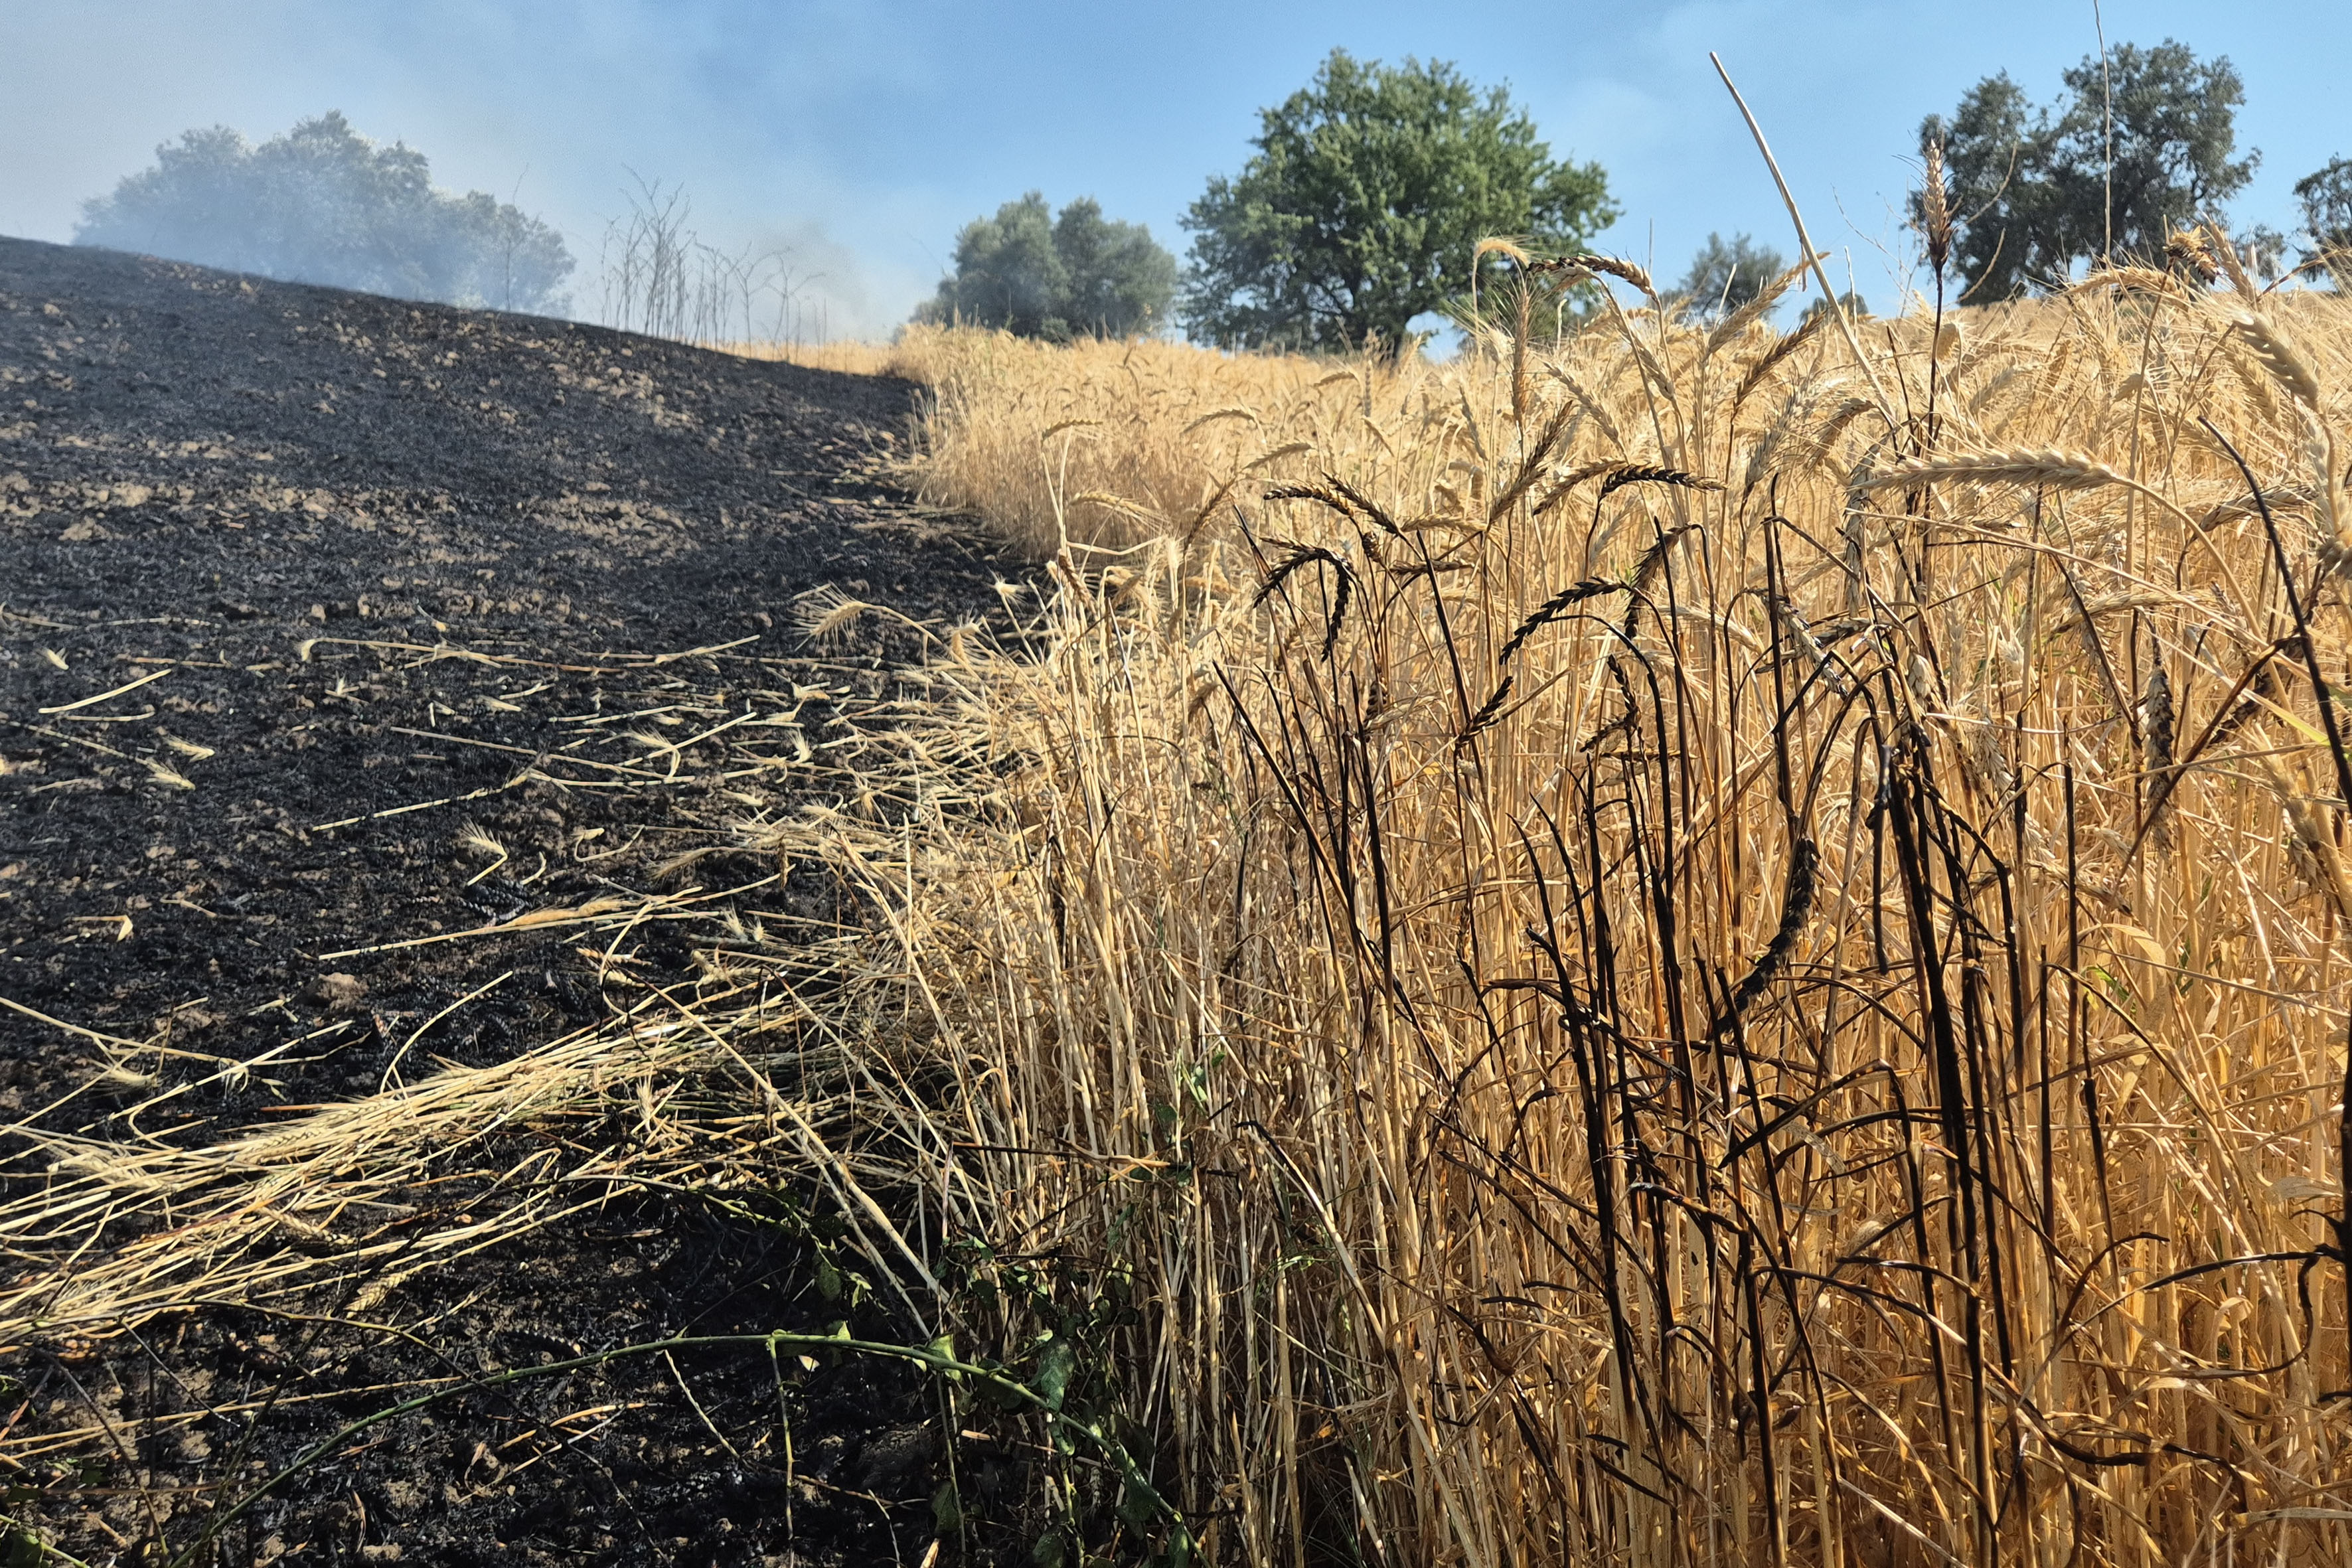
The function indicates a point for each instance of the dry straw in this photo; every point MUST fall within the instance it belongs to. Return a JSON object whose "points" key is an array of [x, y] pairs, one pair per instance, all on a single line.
{"points": [[1647, 1024]]}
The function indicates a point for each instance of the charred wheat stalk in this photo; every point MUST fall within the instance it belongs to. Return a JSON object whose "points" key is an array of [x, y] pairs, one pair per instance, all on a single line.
{"points": [[1298, 555], [1796, 908], [2157, 736], [1340, 497], [1645, 573], [1611, 265], [1485, 715], [1825, 668], [1645, 474], [1553, 608]]}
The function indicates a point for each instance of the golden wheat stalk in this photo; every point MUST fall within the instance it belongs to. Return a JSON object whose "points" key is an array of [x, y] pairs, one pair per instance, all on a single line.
{"points": [[2225, 251], [1611, 265], [1776, 356], [1192, 889], [2278, 355], [1738, 321], [2124, 279], [1936, 211], [826, 612], [2049, 469]]}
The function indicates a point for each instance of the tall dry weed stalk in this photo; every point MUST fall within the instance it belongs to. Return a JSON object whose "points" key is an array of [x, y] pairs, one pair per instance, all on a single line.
{"points": [[1576, 946]]}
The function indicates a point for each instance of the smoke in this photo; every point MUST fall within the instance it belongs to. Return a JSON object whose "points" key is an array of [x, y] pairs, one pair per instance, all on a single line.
{"points": [[836, 292], [789, 122], [660, 277], [322, 204], [817, 127], [888, 127]]}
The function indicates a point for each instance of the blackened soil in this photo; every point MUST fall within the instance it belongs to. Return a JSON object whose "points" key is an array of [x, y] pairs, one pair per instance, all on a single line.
{"points": [[329, 623]]}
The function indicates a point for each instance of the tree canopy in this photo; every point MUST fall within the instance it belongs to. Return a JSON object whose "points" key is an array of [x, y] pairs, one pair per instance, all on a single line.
{"points": [[322, 204], [1723, 276], [2326, 198], [1363, 204], [1037, 275], [2032, 185]]}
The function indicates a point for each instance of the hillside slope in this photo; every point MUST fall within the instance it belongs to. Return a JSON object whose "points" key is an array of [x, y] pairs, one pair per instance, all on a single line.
{"points": [[338, 635]]}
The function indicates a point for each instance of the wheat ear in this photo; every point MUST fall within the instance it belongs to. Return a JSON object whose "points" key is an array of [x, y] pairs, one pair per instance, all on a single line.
{"points": [[2043, 467], [2279, 356]]}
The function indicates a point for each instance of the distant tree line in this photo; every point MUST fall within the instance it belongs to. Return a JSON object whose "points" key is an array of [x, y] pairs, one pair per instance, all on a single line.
{"points": [[1358, 212], [322, 204], [1366, 193]]}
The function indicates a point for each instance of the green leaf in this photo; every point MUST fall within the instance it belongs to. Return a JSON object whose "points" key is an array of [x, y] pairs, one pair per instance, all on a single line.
{"points": [[944, 1348], [947, 1509], [828, 1279], [1054, 1365], [1051, 1551]]}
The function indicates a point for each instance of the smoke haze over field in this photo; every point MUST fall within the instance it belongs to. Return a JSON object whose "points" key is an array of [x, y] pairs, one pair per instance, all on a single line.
{"points": [[324, 204], [866, 135]]}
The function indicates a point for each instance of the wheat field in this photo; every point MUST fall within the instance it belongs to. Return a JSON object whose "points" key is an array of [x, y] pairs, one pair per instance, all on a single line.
{"points": [[1668, 944]]}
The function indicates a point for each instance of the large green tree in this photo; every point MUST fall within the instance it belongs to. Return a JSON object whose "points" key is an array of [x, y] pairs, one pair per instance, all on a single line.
{"points": [[1038, 275], [1362, 205], [324, 204], [2326, 198], [2130, 150], [1725, 276]]}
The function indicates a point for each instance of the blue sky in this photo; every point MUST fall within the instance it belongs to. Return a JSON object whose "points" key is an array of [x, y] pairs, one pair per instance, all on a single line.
{"points": [[864, 135]]}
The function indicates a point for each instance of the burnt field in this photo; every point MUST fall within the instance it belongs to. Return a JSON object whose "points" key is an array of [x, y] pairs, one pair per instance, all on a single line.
{"points": [[388, 690]]}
